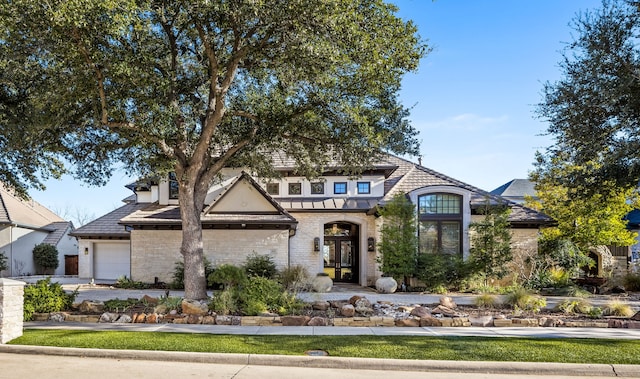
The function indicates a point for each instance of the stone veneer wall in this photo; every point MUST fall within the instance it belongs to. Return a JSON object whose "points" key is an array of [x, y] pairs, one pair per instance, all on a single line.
{"points": [[11, 309], [154, 253]]}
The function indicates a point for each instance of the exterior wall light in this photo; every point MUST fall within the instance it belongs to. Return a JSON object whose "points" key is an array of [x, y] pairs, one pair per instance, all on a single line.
{"points": [[371, 244], [316, 244]]}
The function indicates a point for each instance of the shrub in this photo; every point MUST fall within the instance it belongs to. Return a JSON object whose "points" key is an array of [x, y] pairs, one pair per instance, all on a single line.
{"points": [[46, 297], [225, 302], [575, 306], [228, 276], [441, 270], [486, 300], [521, 299], [171, 303], [631, 281], [295, 278], [46, 257], [117, 305], [178, 273], [260, 265], [617, 308], [3, 262], [261, 294], [126, 283]]}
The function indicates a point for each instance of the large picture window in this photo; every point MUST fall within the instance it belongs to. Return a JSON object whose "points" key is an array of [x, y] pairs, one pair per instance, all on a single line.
{"points": [[440, 223]]}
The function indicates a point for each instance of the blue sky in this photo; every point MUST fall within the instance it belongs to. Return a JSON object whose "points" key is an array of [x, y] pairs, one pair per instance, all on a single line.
{"points": [[472, 99]]}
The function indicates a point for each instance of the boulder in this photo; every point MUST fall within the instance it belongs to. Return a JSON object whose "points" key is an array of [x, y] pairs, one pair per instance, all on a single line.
{"points": [[448, 302], [480, 320], [108, 317], [294, 320], [408, 322], [322, 283], [430, 321], [57, 317], [139, 318], [318, 321], [194, 319], [209, 320], [224, 320], [446, 311], [348, 310], [362, 302], [353, 299], [386, 285], [194, 307], [123, 319], [364, 311], [320, 305], [152, 318], [421, 312]]}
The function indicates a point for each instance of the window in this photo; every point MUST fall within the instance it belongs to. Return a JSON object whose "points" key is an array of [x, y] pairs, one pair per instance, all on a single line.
{"points": [[173, 186], [364, 187], [273, 188], [317, 188], [340, 188], [440, 223], [295, 188]]}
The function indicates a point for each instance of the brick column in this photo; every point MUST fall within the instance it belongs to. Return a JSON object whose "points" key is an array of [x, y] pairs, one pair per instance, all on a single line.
{"points": [[11, 306]]}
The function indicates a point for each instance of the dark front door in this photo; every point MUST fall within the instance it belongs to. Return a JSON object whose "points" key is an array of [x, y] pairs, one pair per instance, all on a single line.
{"points": [[340, 252], [71, 265]]}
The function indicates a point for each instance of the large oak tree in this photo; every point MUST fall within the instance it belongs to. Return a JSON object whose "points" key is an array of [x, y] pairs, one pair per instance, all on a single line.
{"points": [[196, 86]]}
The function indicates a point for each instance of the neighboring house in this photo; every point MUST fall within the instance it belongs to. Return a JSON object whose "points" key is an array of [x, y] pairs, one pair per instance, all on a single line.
{"points": [[617, 257], [327, 225], [25, 224]]}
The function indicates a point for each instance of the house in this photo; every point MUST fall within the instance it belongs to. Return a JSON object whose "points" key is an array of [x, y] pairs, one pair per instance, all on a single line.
{"points": [[328, 225], [25, 224]]}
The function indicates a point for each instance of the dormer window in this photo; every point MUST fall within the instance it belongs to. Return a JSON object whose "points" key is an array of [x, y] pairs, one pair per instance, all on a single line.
{"points": [[273, 188], [364, 187], [340, 188], [295, 188]]}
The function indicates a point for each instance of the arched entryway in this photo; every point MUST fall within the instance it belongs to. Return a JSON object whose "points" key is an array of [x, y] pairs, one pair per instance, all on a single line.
{"points": [[341, 251]]}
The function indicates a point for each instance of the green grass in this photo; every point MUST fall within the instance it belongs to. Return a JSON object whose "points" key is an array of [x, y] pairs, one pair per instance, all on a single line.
{"points": [[395, 347]]}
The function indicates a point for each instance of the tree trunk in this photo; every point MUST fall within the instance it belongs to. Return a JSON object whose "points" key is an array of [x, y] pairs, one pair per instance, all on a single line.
{"points": [[195, 282]]}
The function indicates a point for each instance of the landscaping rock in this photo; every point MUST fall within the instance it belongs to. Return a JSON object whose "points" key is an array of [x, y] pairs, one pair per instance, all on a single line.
{"points": [[108, 317], [364, 311], [430, 321], [635, 317], [362, 303], [421, 312], [194, 307], [348, 310], [322, 284], [149, 300], [194, 319], [318, 321], [152, 318], [295, 320], [209, 320], [386, 285], [320, 305], [446, 311], [123, 319], [353, 299], [139, 318], [408, 322], [224, 320], [479, 320], [448, 302], [57, 317]]}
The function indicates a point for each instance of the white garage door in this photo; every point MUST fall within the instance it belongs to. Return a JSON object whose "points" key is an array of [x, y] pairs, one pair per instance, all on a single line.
{"points": [[111, 260]]}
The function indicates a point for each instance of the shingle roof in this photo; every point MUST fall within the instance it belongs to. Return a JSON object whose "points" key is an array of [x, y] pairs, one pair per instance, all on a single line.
{"points": [[26, 213], [107, 225], [59, 230], [516, 188]]}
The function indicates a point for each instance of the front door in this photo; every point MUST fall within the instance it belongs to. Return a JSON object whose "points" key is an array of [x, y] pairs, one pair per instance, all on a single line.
{"points": [[71, 265], [340, 252]]}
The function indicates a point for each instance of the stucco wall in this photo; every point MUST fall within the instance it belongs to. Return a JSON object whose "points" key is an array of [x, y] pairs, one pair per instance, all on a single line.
{"points": [[155, 253], [20, 254]]}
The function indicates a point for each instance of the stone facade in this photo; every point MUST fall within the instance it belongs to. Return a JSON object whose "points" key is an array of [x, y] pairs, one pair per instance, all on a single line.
{"points": [[11, 309], [155, 253]]}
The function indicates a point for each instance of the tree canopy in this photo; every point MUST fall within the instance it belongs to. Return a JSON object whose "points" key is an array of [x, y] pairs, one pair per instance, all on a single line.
{"points": [[195, 86], [594, 109]]}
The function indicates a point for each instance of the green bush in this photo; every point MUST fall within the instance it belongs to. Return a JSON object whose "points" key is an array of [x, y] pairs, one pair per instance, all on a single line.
{"points": [[225, 302], [117, 305], [441, 270], [227, 276], [266, 295], [575, 306], [178, 273], [486, 300], [521, 299], [46, 297], [46, 257], [260, 265], [126, 283], [3, 262]]}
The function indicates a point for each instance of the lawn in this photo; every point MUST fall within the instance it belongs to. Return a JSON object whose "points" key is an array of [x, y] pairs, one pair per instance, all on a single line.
{"points": [[395, 347]]}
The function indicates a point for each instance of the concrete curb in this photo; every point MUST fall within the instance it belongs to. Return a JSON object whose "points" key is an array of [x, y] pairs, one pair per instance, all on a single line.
{"points": [[514, 368]]}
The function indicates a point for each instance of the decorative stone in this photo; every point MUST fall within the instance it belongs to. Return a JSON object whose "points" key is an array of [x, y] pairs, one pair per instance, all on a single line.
{"points": [[318, 321], [481, 320], [124, 319], [223, 320], [408, 322], [209, 320], [180, 320], [194, 319], [348, 310], [194, 307], [502, 323], [353, 299], [386, 285], [420, 312], [362, 302], [108, 317], [364, 311], [89, 306], [446, 311], [57, 317], [149, 300], [139, 318], [320, 305], [430, 321], [322, 284], [295, 320], [448, 302], [152, 318], [405, 308]]}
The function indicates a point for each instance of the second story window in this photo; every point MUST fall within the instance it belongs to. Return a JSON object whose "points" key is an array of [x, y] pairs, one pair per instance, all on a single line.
{"points": [[317, 188], [295, 188], [340, 188], [364, 187], [173, 186], [273, 188]]}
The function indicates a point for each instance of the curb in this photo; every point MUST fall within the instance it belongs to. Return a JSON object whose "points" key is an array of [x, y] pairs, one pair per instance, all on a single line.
{"points": [[514, 368]]}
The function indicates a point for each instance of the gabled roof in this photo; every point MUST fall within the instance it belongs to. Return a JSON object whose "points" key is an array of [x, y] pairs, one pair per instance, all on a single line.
{"points": [[59, 230], [107, 226], [516, 188], [25, 213], [169, 215]]}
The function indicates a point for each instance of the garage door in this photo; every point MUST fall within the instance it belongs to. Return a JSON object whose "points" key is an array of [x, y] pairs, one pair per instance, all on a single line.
{"points": [[111, 260]]}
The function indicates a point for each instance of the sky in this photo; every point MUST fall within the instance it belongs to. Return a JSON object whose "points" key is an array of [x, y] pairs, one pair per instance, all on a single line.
{"points": [[472, 99]]}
